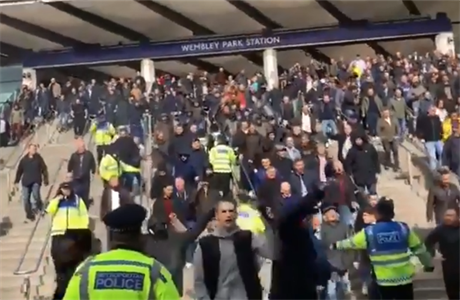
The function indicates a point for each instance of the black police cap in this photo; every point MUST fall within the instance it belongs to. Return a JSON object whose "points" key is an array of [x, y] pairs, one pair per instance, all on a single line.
{"points": [[127, 218]]}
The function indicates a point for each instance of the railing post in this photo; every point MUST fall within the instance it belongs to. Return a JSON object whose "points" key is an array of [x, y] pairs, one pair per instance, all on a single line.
{"points": [[409, 168]]}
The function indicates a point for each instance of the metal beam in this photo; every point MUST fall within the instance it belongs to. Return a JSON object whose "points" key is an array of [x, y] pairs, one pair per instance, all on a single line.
{"points": [[269, 23], [345, 20], [137, 66], [99, 21], [47, 34], [81, 72], [11, 50], [185, 22], [38, 31], [411, 7]]}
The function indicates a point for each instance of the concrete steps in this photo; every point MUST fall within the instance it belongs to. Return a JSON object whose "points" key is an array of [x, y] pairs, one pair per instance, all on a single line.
{"points": [[46, 289], [410, 206], [23, 246]]}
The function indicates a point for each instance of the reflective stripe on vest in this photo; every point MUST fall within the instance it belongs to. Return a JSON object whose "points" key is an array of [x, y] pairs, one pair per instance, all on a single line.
{"points": [[154, 270]]}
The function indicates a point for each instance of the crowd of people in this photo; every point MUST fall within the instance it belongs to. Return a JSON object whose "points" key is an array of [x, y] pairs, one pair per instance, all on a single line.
{"points": [[243, 181]]}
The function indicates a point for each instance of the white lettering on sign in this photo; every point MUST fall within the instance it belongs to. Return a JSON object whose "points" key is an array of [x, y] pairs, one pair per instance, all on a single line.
{"points": [[231, 44], [388, 237], [119, 281]]}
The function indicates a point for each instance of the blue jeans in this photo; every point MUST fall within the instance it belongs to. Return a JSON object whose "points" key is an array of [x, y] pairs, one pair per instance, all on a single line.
{"points": [[328, 127], [337, 287], [402, 127], [371, 120], [31, 198], [434, 150], [131, 181], [346, 216], [137, 131], [63, 119]]}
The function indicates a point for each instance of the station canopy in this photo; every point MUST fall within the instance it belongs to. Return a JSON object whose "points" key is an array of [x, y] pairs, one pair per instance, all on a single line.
{"points": [[40, 25]]}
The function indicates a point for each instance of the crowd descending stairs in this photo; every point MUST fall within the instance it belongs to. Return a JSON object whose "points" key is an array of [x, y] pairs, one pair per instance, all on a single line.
{"points": [[410, 208]]}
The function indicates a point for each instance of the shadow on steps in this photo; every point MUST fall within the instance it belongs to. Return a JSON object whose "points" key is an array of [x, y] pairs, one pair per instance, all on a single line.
{"points": [[5, 226]]}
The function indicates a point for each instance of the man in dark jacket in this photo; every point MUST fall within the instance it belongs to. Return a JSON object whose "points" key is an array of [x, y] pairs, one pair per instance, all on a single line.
{"points": [[301, 179], [340, 192], [82, 164], [362, 163], [199, 158], [294, 275], [32, 172], [429, 131]]}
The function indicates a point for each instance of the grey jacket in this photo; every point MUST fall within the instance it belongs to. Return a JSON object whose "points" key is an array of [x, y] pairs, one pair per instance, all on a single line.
{"points": [[230, 285], [332, 232]]}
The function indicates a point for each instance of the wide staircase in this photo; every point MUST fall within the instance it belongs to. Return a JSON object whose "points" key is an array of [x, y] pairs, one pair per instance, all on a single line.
{"points": [[27, 271], [409, 189]]}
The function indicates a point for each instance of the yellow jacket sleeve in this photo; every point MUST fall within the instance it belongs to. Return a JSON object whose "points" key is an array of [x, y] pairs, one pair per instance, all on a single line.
{"points": [[112, 130], [232, 156], [52, 207], [418, 248], [72, 291], [103, 172], [356, 242], [164, 288], [93, 128], [212, 156], [446, 129]]}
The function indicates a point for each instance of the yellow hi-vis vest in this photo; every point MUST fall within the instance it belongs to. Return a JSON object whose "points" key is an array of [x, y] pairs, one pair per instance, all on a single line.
{"points": [[110, 167], [67, 214], [250, 219], [222, 158], [121, 274], [103, 133]]}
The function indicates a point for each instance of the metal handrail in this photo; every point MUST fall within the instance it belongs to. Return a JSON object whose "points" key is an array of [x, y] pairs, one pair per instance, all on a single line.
{"points": [[18, 271]]}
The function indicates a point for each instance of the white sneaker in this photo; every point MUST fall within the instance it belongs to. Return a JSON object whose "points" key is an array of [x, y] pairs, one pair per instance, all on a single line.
{"points": [[364, 289]]}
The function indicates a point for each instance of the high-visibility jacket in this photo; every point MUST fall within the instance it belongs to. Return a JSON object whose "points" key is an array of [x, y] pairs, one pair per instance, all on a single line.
{"points": [[102, 132], [67, 214], [250, 219], [447, 127], [121, 274], [110, 167], [389, 245], [222, 158]]}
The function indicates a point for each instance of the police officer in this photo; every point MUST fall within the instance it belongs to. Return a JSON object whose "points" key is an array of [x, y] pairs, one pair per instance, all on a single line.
{"points": [[110, 165], [222, 159], [390, 245], [123, 272], [103, 133], [130, 160]]}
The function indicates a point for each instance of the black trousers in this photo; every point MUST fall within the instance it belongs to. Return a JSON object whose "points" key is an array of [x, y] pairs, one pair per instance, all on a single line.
{"points": [[100, 152], [451, 276], [79, 126], [400, 292], [82, 188], [222, 182]]}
